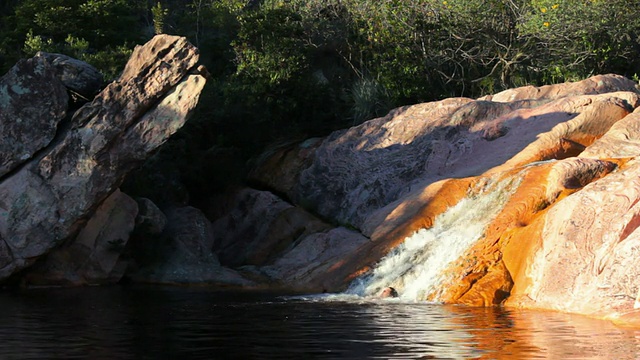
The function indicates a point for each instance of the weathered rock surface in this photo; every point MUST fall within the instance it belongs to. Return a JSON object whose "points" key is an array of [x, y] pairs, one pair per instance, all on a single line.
{"points": [[77, 76], [572, 151], [93, 256], [182, 254], [259, 227], [47, 201], [357, 172], [598, 84], [305, 266], [32, 104]]}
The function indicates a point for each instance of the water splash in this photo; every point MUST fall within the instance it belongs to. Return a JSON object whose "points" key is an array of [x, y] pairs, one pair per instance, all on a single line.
{"points": [[415, 267]]}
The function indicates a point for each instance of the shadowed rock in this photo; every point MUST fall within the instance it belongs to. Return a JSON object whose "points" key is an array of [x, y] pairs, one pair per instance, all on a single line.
{"points": [[79, 77], [33, 102], [93, 257], [47, 201], [182, 254]]}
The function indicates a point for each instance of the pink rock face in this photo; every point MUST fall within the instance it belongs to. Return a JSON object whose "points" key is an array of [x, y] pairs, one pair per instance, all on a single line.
{"points": [[590, 243], [592, 239], [574, 247], [598, 84]]}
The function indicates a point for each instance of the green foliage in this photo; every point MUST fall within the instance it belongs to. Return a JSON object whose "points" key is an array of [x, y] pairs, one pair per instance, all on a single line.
{"points": [[289, 69], [370, 100], [92, 30], [159, 15], [579, 38]]}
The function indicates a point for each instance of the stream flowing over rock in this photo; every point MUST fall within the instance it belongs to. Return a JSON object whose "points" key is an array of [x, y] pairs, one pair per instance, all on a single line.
{"points": [[551, 172], [527, 198]]}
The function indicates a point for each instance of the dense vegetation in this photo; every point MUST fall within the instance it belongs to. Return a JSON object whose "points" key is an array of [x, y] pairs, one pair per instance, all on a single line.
{"points": [[284, 70]]}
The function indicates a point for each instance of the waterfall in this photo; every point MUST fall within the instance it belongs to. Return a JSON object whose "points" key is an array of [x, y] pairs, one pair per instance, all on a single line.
{"points": [[415, 267]]}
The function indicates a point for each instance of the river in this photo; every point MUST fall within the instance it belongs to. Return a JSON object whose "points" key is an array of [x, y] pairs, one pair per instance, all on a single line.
{"points": [[148, 322]]}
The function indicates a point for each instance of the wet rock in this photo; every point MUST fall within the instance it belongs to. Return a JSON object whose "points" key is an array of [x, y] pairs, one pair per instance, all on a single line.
{"points": [[592, 239], [570, 151]]}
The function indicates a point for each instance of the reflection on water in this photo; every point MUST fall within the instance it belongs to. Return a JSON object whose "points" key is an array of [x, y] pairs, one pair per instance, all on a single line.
{"points": [[187, 323]]}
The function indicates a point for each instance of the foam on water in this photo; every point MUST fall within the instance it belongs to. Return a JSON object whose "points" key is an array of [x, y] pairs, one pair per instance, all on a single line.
{"points": [[415, 267]]}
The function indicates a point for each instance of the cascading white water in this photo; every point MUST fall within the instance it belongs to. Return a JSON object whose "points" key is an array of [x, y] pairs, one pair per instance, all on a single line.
{"points": [[415, 267]]}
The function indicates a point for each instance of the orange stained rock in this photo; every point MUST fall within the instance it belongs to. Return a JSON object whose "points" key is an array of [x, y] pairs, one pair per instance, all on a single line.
{"points": [[448, 194], [487, 271], [568, 138], [441, 196]]}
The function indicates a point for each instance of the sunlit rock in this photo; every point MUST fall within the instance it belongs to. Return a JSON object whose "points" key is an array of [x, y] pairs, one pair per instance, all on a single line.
{"points": [[47, 201], [590, 238], [417, 184], [598, 84]]}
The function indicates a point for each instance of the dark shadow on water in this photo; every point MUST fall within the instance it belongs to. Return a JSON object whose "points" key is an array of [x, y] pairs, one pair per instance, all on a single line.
{"points": [[147, 322]]}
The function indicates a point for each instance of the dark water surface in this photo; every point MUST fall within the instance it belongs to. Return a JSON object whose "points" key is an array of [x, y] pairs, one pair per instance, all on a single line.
{"points": [[187, 323]]}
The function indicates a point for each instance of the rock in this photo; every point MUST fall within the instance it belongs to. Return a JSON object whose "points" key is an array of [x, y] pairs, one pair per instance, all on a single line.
{"points": [[358, 176], [259, 227], [621, 141], [32, 104], [77, 76], [310, 264], [92, 256], [568, 154], [592, 239], [48, 200], [150, 220], [279, 168], [599, 84], [183, 254]]}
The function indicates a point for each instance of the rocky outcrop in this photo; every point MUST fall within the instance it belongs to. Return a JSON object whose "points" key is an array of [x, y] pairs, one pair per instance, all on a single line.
{"points": [[94, 255], [46, 201], [32, 104], [259, 227], [599, 84], [80, 78], [182, 254], [569, 152]]}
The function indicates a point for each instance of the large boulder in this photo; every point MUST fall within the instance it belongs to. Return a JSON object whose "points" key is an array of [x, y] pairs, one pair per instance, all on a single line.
{"points": [[259, 227], [357, 177], [47, 201], [591, 237], [94, 255], [33, 101], [182, 254], [80, 78], [428, 177]]}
